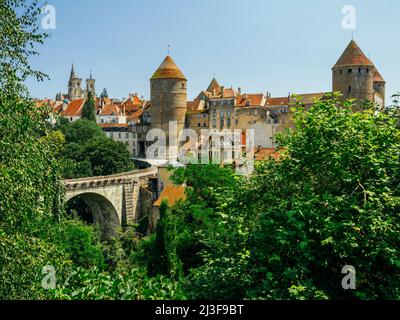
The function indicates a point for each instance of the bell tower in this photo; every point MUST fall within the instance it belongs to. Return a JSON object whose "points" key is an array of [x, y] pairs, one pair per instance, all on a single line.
{"points": [[90, 85], [74, 86]]}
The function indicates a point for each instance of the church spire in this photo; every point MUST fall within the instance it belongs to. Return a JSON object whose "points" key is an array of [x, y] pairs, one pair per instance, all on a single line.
{"points": [[72, 75]]}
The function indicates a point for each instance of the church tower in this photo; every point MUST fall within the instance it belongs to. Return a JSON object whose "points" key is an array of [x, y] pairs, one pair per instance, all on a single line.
{"points": [[90, 86], [353, 74], [74, 86], [168, 98]]}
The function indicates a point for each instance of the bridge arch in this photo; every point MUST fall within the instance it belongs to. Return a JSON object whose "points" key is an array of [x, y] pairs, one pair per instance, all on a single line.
{"points": [[103, 211]]}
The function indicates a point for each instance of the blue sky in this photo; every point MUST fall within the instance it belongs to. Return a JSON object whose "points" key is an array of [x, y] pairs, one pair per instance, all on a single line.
{"points": [[279, 46]]}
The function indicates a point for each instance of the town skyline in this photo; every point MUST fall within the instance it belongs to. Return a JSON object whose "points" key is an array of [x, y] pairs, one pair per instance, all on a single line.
{"points": [[261, 67]]}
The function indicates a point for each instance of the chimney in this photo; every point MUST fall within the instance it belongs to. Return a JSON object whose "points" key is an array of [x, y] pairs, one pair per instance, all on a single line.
{"points": [[240, 90], [222, 89]]}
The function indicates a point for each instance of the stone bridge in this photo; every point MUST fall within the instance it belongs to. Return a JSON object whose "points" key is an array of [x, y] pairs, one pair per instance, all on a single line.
{"points": [[113, 200]]}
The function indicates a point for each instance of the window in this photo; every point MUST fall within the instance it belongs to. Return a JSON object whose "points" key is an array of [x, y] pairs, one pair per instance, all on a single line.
{"points": [[204, 116], [228, 122], [183, 85], [214, 123], [350, 71], [119, 135], [236, 122], [359, 70], [341, 71], [198, 124], [349, 88], [126, 135], [367, 70], [204, 124]]}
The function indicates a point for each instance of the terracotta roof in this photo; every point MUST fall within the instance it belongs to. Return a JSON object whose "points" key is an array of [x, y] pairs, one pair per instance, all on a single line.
{"points": [[131, 108], [250, 100], [377, 76], [214, 86], [110, 110], [229, 93], [58, 106], [134, 116], [263, 153], [193, 105], [113, 125], [172, 194], [74, 108], [353, 55], [168, 70], [278, 101]]}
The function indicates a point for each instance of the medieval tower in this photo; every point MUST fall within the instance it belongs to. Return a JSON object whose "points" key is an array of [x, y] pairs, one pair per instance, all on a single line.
{"points": [[355, 76], [90, 86], [75, 90], [74, 86], [168, 99]]}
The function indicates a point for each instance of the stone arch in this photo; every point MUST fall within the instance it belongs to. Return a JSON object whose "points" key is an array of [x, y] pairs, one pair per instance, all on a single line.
{"points": [[104, 212]]}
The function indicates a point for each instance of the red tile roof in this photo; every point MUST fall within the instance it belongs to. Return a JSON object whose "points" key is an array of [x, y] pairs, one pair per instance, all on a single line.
{"points": [[250, 100], [172, 194], [110, 110], [113, 125], [193, 105], [131, 108], [278, 101], [353, 55], [214, 86], [74, 108], [377, 76]]}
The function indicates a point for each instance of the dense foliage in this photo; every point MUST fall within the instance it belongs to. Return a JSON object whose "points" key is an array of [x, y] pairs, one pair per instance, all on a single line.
{"points": [[87, 151], [332, 199], [89, 110]]}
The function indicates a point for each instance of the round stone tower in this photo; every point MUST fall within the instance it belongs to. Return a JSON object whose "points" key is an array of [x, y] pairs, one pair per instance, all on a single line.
{"points": [[379, 85], [353, 74], [168, 99]]}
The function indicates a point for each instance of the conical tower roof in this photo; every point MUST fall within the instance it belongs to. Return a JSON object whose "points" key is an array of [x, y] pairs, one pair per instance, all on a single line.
{"points": [[214, 86], [353, 55], [168, 70]]}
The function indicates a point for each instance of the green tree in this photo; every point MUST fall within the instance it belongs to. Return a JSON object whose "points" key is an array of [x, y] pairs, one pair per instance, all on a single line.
{"points": [[89, 111], [30, 199], [331, 200], [89, 152]]}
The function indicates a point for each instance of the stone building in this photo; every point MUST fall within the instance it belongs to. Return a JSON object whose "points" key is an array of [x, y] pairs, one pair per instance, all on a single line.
{"points": [[355, 76], [168, 99]]}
